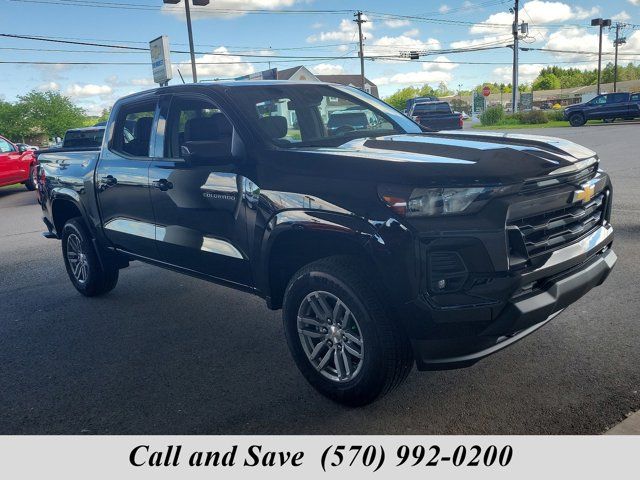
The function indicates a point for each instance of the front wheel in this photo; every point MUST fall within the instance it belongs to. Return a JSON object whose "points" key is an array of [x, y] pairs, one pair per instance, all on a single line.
{"points": [[81, 260], [577, 120], [339, 334]]}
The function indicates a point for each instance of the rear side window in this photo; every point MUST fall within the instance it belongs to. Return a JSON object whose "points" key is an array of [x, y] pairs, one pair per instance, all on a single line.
{"points": [[616, 97], [432, 108], [197, 125], [635, 97], [83, 138], [132, 132]]}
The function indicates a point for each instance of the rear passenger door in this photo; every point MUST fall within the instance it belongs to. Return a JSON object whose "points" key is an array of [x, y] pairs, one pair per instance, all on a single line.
{"points": [[198, 205], [122, 180]]}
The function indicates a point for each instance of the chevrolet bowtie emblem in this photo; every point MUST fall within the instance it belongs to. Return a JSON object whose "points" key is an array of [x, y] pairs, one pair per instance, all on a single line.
{"points": [[585, 194]]}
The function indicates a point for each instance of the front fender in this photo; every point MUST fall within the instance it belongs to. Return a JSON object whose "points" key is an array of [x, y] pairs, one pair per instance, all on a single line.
{"points": [[353, 234]]}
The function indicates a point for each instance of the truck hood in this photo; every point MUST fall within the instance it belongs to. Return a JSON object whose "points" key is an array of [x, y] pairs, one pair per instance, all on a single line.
{"points": [[461, 157]]}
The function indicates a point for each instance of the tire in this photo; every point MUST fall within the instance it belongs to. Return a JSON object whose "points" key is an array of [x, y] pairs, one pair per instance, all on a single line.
{"points": [[31, 182], [386, 355], [577, 120], [89, 278]]}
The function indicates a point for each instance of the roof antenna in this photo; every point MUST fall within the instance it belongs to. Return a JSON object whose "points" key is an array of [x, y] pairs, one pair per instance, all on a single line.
{"points": [[181, 77]]}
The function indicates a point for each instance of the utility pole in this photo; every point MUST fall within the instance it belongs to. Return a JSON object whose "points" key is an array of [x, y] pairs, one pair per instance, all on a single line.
{"points": [[600, 22], [514, 83], [360, 21], [618, 41], [187, 9]]}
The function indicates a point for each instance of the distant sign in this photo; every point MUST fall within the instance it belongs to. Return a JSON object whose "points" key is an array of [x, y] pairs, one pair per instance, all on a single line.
{"points": [[526, 101], [486, 91], [478, 102], [161, 60]]}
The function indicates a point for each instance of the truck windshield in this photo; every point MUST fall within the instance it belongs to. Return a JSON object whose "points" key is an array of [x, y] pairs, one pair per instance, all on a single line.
{"points": [[83, 138], [431, 108], [290, 115]]}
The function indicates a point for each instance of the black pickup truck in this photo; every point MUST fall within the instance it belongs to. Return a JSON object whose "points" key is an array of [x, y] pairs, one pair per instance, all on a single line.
{"points": [[436, 116], [606, 107], [385, 246]]}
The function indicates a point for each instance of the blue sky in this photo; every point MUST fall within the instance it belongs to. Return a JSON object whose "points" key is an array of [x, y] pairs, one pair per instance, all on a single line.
{"points": [[225, 33]]}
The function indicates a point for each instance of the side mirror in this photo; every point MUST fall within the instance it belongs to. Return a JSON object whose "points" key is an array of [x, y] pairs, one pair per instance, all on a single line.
{"points": [[207, 153]]}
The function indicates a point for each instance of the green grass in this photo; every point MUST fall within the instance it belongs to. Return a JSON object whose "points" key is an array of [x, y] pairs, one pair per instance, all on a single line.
{"points": [[13, 187], [512, 126], [550, 124]]}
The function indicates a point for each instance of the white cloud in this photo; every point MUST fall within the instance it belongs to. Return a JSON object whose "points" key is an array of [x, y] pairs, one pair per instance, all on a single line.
{"points": [[397, 23], [347, 32], [444, 8], [526, 73], [386, 46], [622, 16], [634, 2], [537, 12], [487, 40], [576, 39], [317, 25], [327, 69], [49, 86], [226, 8], [431, 73], [220, 63], [143, 82], [414, 32], [88, 90]]}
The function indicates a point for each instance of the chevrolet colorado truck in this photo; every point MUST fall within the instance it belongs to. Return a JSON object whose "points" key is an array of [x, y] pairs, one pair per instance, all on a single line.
{"points": [[384, 246]]}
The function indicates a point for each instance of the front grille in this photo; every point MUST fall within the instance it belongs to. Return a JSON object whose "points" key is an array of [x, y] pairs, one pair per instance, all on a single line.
{"points": [[554, 229]]}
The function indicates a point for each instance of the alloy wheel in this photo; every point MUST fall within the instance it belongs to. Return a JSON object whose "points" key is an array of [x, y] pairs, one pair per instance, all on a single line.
{"points": [[331, 336], [78, 260]]}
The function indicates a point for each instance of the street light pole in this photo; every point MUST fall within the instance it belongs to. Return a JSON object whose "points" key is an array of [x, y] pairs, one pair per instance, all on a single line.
{"points": [[514, 83], [600, 22], [187, 9], [193, 55]]}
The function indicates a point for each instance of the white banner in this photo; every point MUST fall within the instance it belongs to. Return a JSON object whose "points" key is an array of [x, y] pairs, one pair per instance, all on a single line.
{"points": [[311, 457]]}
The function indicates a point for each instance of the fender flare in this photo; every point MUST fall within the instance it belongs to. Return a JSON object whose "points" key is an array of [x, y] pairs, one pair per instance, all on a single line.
{"points": [[351, 228]]}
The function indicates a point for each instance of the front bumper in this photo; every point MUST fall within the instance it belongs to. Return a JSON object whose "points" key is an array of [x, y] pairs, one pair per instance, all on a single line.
{"points": [[568, 275]]}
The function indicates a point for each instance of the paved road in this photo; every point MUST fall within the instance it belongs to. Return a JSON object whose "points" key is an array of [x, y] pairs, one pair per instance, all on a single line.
{"points": [[167, 354]]}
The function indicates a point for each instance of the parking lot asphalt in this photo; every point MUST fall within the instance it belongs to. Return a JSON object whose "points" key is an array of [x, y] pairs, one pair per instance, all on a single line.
{"points": [[168, 354]]}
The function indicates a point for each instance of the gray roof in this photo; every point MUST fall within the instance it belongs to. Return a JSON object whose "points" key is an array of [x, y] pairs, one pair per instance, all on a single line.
{"points": [[349, 79]]}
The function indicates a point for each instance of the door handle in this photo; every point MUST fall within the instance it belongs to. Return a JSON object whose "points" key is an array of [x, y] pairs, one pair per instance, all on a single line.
{"points": [[163, 184]]}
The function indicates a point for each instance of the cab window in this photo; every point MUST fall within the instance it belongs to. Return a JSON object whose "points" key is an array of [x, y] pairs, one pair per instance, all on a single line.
{"points": [[197, 125], [600, 100], [132, 132]]}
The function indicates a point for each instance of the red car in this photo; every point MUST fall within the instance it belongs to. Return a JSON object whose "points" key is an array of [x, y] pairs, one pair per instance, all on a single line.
{"points": [[17, 165]]}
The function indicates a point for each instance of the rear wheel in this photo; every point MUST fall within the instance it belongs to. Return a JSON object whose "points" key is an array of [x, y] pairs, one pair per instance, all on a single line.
{"points": [[32, 181], [339, 334], [81, 260], [577, 120]]}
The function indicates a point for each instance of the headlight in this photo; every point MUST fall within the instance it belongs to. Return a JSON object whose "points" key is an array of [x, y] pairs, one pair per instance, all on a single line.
{"points": [[430, 202]]}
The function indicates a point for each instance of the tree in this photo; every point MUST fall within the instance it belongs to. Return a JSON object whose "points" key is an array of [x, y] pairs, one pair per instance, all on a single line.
{"points": [[548, 81], [398, 100], [12, 124], [49, 112]]}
